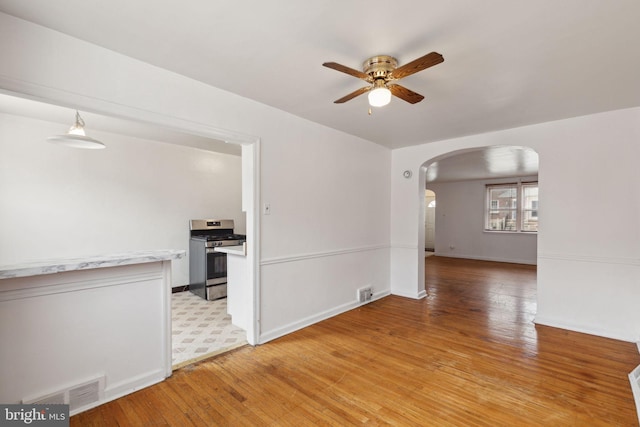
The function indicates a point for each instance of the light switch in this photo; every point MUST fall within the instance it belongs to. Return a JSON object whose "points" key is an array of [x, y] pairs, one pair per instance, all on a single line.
{"points": [[266, 209]]}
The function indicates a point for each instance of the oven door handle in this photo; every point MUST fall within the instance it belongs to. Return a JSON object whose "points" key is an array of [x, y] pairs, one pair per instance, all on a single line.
{"points": [[213, 250]]}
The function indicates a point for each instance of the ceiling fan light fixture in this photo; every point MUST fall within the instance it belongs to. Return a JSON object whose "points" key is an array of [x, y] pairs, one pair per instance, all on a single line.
{"points": [[380, 95], [76, 137], [381, 70]]}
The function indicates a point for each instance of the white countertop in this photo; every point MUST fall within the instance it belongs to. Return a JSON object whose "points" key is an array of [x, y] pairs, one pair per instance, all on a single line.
{"points": [[99, 261], [240, 250]]}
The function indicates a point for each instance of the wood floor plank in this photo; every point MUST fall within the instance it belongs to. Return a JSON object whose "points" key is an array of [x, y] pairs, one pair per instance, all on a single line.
{"points": [[468, 354]]}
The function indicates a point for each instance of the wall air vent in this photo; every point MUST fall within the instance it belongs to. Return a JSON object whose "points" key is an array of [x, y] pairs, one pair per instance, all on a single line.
{"points": [[77, 396], [85, 394]]}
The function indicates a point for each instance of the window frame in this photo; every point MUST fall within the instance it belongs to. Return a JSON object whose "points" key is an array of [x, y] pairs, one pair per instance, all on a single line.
{"points": [[518, 210]]}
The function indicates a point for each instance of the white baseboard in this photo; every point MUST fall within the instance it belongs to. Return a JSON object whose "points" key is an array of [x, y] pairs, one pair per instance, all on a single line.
{"points": [[555, 323], [484, 258], [124, 388], [419, 295], [634, 379], [308, 321]]}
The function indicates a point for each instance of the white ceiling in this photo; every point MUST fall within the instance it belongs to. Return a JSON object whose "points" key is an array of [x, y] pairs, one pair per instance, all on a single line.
{"points": [[508, 63], [484, 163], [94, 122]]}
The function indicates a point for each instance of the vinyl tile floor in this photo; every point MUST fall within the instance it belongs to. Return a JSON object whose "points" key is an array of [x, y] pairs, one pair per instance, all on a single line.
{"points": [[201, 329]]}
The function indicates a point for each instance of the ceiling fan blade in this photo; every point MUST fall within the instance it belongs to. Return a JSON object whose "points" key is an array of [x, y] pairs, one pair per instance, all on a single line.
{"points": [[422, 63], [405, 94], [352, 95], [347, 70]]}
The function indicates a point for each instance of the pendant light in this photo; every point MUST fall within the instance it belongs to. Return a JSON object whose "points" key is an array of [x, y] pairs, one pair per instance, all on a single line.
{"points": [[76, 137]]}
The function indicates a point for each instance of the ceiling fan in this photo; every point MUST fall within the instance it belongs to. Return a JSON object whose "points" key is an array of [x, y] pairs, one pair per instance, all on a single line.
{"points": [[382, 72]]}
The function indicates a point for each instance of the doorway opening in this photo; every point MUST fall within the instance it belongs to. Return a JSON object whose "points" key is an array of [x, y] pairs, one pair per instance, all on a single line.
{"points": [[429, 222], [201, 329], [130, 123], [462, 181]]}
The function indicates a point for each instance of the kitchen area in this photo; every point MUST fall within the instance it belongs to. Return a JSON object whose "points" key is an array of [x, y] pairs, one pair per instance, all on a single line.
{"points": [[136, 196], [202, 324]]}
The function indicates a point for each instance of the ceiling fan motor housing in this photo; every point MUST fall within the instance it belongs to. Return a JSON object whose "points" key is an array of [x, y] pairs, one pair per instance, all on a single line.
{"points": [[379, 67]]}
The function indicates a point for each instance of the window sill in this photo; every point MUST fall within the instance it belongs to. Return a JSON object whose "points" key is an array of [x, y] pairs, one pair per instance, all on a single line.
{"points": [[524, 233]]}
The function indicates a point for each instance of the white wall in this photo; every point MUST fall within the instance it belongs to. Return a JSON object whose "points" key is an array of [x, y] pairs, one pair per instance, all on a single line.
{"points": [[328, 231], [460, 223], [329, 191], [588, 251], [60, 202], [62, 330]]}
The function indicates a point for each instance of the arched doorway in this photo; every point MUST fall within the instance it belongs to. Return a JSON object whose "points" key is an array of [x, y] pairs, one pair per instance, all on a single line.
{"points": [[462, 179]]}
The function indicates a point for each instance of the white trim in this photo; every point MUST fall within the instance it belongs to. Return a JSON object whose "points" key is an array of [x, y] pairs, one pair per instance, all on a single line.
{"points": [[634, 379], [555, 323], [591, 259], [515, 233], [253, 336], [482, 258], [312, 255], [129, 385], [79, 284], [124, 388], [420, 295], [167, 335], [404, 246], [308, 321]]}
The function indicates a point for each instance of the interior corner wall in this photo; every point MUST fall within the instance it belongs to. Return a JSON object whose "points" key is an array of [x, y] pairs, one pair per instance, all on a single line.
{"points": [[327, 234], [588, 253], [61, 202], [328, 231], [459, 227]]}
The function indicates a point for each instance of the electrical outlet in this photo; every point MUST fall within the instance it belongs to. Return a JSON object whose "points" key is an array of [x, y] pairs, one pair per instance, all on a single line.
{"points": [[365, 294]]}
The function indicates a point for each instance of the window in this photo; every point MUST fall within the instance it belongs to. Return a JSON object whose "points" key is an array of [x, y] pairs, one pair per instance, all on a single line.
{"points": [[534, 209], [512, 207]]}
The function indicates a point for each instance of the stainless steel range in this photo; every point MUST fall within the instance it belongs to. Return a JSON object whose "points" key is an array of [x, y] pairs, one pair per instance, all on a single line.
{"points": [[208, 268]]}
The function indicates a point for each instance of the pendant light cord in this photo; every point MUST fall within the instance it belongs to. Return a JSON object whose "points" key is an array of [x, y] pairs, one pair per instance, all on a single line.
{"points": [[79, 121]]}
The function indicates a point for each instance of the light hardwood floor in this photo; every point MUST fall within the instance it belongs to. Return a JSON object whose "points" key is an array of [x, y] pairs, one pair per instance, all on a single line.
{"points": [[468, 354]]}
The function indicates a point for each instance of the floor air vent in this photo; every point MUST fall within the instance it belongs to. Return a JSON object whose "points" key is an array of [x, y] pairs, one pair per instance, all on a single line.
{"points": [[634, 379], [76, 396]]}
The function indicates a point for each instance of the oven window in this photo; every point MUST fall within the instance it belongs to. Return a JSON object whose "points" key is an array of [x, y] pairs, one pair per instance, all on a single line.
{"points": [[216, 265]]}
